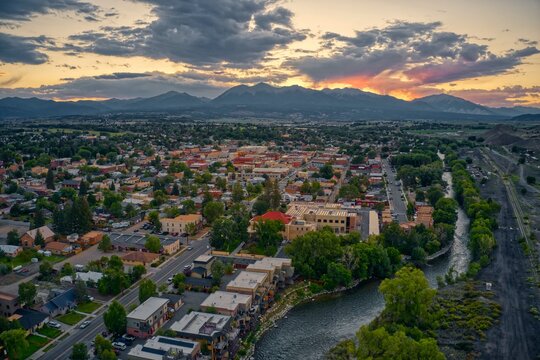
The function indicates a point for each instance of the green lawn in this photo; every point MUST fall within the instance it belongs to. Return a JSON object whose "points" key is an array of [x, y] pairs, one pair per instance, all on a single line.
{"points": [[34, 344], [49, 331], [88, 307], [71, 318]]}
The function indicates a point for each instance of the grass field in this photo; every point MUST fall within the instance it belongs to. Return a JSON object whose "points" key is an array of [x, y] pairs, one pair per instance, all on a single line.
{"points": [[34, 344], [71, 318], [88, 307], [49, 331]]}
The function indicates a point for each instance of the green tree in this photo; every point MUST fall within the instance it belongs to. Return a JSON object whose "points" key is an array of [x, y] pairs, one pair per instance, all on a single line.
{"points": [[81, 291], [237, 192], [49, 180], [38, 239], [268, 233], [152, 244], [39, 219], [179, 282], [137, 272], [79, 352], [224, 235], [45, 270], [147, 289], [349, 192], [13, 237], [115, 318], [27, 293], [188, 207], [336, 275], [218, 270], [153, 218], [101, 345], [213, 210], [108, 355], [326, 171], [15, 342], [113, 282], [67, 270], [408, 297], [260, 206], [106, 244]]}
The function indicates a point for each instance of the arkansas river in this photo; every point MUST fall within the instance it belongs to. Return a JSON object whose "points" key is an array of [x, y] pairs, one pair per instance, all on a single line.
{"points": [[311, 329]]}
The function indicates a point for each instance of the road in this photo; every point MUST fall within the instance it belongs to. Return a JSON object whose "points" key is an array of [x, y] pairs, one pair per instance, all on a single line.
{"points": [[394, 192], [62, 350]]}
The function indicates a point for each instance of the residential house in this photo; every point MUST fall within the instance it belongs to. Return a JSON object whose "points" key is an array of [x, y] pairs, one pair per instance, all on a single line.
{"points": [[11, 250], [30, 320], [28, 238], [134, 258], [60, 304], [59, 248]]}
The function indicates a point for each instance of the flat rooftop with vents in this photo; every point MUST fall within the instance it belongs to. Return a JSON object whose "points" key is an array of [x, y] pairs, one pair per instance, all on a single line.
{"points": [[227, 303], [201, 325], [159, 347]]}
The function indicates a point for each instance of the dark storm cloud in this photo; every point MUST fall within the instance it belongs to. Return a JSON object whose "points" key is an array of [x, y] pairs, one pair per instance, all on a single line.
{"points": [[23, 10], [122, 75], [24, 50], [199, 32], [419, 50]]}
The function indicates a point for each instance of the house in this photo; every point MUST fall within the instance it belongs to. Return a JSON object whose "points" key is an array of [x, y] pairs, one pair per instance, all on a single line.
{"points": [[202, 266], [180, 224], [90, 238], [91, 277], [198, 283], [60, 304], [73, 184], [250, 283], [147, 318], [161, 347], [10, 250], [30, 320], [8, 304], [134, 258], [58, 248], [213, 331], [28, 238], [227, 303]]}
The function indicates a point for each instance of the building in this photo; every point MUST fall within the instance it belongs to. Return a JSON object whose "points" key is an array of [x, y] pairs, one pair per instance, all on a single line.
{"points": [[280, 270], [298, 228], [424, 215], [202, 266], [28, 238], [161, 347], [147, 318], [325, 215], [136, 242], [179, 224], [90, 238], [10, 250], [227, 303], [30, 320], [134, 258], [373, 223], [255, 284], [213, 331], [8, 304], [58, 248], [60, 304]]}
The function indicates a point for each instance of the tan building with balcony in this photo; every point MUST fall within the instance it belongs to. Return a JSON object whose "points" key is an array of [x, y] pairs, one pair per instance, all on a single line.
{"points": [[178, 225]]}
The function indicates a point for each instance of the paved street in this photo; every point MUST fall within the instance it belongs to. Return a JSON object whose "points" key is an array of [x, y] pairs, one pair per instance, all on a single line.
{"points": [[62, 350], [397, 204]]}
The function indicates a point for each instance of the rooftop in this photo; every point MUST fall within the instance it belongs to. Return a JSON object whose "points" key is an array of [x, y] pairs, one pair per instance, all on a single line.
{"points": [[199, 323], [147, 308], [157, 347], [226, 300], [248, 280]]}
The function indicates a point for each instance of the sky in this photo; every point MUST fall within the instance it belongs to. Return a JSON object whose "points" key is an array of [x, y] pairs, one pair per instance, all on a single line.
{"points": [[485, 51]]}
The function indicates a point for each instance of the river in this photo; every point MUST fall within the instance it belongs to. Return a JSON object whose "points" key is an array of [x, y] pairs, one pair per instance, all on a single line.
{"points": [[311, 329]]}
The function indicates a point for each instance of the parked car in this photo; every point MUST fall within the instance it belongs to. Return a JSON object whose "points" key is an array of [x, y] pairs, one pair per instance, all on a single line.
{"points": [[54, 324], [119, 345], [84, 324], [169, 280], [128, 339], [190, 248]]}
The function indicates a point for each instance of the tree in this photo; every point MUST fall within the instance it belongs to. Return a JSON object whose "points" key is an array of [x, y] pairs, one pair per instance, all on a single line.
{"points": [[27, 293], [349, 192], [106, 244], [101, 345], [38, 239], [15, 342], [115, 318], [179, 282], [268, 234], [213, 210], [153, 218], [49, 180], [115, 263], [39, 219], [13, 237], [79, 352], [408, 297], [108, 355], [433, 194], [336, 275], [152, 244], [137, 272], [67, 270], [326, 171], [113, 282], [218, 270], [237, 192], [224, 235], [531, 180], [188, 206], [260, 206], [45, 270], [147, 289], [81, 292]]}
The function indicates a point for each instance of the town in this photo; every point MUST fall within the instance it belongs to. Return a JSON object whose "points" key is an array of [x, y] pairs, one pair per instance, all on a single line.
{"points": [[153, 244]]}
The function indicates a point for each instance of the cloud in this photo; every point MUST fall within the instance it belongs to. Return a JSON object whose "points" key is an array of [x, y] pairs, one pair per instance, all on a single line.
{"points": [[24, 50], [120, 85], [413, 54], [200, 32], [24, 10], [502, 96]]}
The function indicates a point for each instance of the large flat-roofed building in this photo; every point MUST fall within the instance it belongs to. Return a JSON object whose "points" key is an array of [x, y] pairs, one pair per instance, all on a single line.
{"points": [[279, 269], [162, 347], [325, 215], [128, 242], [213, 331], [178, 225], [227, 303], [147, 318], [249, 283]]}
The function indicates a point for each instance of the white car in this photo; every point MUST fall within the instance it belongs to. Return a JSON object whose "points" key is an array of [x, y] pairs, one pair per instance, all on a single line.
{"points": [[84, 324], [169, 280], [54, 325], [119, 345]]}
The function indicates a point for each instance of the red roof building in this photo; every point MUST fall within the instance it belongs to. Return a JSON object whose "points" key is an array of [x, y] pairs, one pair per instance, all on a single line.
{"points": [[274, 215]]}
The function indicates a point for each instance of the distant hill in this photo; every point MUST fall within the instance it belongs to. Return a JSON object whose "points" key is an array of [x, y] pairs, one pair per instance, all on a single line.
{"points": [[264, 100]]}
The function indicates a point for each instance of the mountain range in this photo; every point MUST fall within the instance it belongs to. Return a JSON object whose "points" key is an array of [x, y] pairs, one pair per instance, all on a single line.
{"points": [[269, 101]]}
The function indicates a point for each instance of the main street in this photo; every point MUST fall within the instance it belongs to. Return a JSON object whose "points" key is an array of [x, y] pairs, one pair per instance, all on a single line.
{"points": [[63, 347], [397, 204]]}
